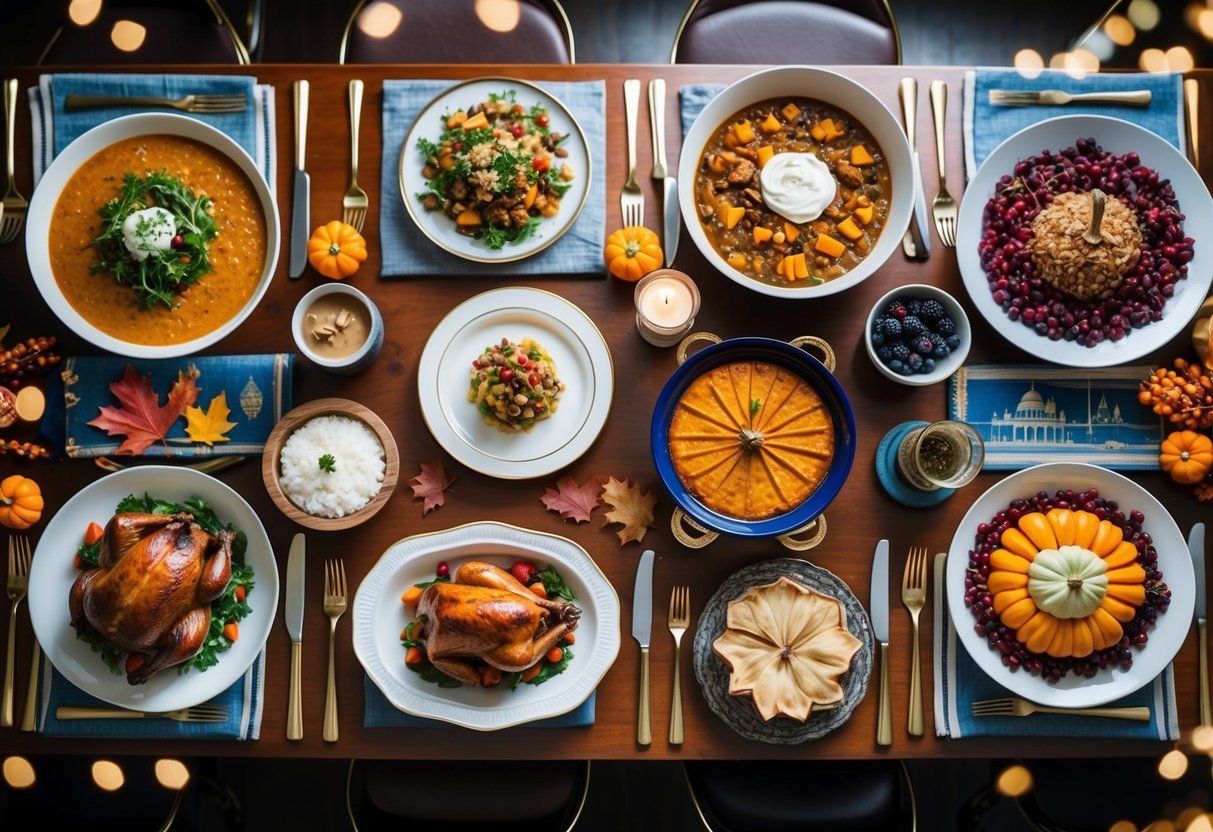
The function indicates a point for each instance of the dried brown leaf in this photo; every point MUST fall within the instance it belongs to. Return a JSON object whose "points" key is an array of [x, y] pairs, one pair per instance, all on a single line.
{"points": [[631, 507]]}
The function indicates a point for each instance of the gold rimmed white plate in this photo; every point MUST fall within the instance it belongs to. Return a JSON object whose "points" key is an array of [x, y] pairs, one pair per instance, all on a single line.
{"points": [[579, 353], [431, 124]]}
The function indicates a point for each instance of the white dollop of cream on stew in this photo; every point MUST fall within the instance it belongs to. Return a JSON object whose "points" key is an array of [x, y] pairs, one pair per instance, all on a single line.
{"points": [[149, 231], [798, 186]]}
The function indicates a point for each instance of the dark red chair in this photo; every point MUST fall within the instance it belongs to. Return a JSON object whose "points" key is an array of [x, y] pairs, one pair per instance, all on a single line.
{"points": [[804, 795], [817, 32], [458, 31], [175, 32], [467, 796]]}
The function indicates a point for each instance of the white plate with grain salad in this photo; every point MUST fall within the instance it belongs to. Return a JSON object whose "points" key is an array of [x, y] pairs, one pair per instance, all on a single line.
{"points": [[578, 355], [379, 616], [461, 162]]}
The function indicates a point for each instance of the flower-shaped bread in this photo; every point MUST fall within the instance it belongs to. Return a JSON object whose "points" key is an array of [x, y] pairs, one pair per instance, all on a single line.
{"points": [[786, 646]]}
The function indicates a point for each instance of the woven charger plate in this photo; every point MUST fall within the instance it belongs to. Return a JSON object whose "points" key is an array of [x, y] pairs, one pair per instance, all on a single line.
{"points": [[739, 712]]}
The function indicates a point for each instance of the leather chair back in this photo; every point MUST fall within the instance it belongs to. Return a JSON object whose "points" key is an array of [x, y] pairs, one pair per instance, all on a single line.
{"points": [[177, 32], [814, 32], [458, 31]]}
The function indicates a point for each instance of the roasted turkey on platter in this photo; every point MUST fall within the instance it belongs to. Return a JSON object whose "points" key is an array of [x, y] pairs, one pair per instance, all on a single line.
{"points": [[484, 614]]}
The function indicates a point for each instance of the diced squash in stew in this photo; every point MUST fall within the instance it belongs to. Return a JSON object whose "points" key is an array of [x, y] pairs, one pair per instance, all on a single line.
{"points": [[828, 246], [860, 156], [770, 124], [744, 131], [865, 213], [764, 154], [761, 235], [849, 229], [791, 231], [790, 111]]}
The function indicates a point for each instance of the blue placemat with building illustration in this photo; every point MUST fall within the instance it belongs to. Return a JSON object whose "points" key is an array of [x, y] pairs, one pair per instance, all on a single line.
{"points": [[1029, 414]]}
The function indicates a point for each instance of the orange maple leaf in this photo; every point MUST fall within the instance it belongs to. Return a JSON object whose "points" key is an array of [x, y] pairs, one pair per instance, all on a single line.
{"points": [[431, 483], [140, 417], [574, 502], [631, 507]]}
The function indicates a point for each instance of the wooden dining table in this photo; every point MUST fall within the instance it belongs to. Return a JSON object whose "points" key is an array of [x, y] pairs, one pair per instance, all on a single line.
{"points": [[412, 307]]}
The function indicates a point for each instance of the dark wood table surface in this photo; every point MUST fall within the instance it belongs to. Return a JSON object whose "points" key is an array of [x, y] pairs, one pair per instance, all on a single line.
{"points": [[412, 307]]}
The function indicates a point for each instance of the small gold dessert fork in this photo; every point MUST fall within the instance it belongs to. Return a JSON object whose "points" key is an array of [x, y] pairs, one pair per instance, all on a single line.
{"points": [[914, 596], [678, 621], [334, 605]]}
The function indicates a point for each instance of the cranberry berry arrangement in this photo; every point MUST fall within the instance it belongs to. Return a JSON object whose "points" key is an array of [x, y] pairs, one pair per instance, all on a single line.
{"points": [[1045, 276], [1089, 592]]}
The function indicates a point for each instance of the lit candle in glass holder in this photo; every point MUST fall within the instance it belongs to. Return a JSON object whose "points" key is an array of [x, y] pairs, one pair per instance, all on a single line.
{"points": [[666, 303]]}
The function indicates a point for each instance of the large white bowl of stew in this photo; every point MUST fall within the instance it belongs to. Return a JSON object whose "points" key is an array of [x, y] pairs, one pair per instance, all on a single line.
{"points": [[796, 182], [211, 183]]}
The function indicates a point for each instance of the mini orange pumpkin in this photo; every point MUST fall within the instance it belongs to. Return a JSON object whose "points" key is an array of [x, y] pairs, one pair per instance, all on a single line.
{"points": [[1187, 456], [336, 250], [633, 252], [20, 502]]}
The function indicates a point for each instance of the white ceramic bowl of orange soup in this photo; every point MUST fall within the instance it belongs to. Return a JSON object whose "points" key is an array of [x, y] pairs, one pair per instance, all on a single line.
{"points": [[63, 220]]}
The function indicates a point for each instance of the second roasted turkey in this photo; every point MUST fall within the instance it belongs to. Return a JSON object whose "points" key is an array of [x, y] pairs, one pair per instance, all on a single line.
{"points": [[484, 614]]}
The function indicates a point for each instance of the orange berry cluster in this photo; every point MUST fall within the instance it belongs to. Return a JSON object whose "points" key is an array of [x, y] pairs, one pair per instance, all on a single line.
{"points": [[1184, 395]]}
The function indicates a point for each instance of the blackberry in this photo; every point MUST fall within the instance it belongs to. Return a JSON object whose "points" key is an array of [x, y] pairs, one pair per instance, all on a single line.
{"points": [[877, 337], [896, 309], [922, 345], [914, 362], [928, 365], [941, 351], [905, 370], [931, 311], [885, 354], [892, 329], [953, 342], [900, 351], [945, 326], [912, 326], [914, 307]]}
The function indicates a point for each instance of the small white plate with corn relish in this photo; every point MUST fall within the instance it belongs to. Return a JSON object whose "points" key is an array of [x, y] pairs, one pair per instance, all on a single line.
{"points": [[579, 357]]}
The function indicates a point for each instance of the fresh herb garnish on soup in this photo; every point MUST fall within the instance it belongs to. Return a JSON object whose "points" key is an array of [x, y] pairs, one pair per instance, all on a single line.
{"points": [[227, 609], [496, 170], [154, 237]]}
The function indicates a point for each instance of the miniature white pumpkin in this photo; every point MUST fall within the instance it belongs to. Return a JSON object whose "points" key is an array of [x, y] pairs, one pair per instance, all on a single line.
{"points": [[1068, 582]]}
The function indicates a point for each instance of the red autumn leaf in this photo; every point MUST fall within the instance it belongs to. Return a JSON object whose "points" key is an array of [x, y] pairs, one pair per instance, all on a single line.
{"points": [[430, 485], [574, 502], [140, 417]]}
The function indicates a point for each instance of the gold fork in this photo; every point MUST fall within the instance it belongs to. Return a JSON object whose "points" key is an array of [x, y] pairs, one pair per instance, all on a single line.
{"points": [[14, 204], [18, 585], [189, 103], [1014, 706], [631, 201], [678, 621], [334, 605], [29, 715], [197, 713], [914, 597], [944, 207], [355, 201]]}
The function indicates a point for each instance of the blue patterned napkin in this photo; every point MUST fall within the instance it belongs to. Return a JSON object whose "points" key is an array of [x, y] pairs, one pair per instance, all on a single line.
{"points": [[692, 98], [986, 126], [380, 713], [1028, 414], [257, 388], [245, 701], [54, 127], [959, 682], [406, 251]]}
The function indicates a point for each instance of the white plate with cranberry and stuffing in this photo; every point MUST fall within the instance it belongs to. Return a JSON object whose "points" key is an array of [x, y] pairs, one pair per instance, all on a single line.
{"points": [[1081, 682], [1043, 320], [380, 616]]}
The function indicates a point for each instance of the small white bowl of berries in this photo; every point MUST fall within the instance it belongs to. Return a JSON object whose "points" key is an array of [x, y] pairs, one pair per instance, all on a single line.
{"points": [[917, 335]]}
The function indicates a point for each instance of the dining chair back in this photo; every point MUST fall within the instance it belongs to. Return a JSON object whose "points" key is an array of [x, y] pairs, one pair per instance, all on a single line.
{"points": [[458, 31], [814, 32], [462, 795], [805, 795], [147, 32]]}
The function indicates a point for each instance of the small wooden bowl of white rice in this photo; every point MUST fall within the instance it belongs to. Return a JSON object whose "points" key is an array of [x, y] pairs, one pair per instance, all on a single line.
{"points": [[330, 464]]}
